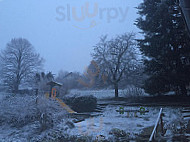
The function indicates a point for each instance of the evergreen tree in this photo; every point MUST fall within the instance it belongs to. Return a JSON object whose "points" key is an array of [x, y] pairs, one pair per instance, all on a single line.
{"points": [[166, 45]]}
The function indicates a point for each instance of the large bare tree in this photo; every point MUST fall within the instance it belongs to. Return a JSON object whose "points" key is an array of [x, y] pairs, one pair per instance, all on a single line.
{"points": [[19, 63], [116, 57]]}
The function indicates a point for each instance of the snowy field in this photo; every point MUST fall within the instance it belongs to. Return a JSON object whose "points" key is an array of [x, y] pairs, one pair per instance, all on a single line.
{"points": [[131, 124], [20, 119], [2, 95], [107, 93]]}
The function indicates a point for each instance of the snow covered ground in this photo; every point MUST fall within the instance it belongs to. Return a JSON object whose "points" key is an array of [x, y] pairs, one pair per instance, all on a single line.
{"points": [[2, 95], [21, 121], [131, 124], [102, 94]]}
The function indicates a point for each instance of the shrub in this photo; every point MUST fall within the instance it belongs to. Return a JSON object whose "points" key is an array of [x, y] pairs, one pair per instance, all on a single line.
{"points": [[117, 132], [82, 104], [18, 111], [134, 92]]}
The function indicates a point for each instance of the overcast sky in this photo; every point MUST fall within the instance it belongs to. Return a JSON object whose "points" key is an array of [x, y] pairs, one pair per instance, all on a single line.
{"points": [[61, 32]]}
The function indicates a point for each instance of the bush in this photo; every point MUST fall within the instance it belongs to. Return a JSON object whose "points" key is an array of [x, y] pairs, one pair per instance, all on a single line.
{"points": [[117, 132], [20, 110], [82, 104], [134, 92]]}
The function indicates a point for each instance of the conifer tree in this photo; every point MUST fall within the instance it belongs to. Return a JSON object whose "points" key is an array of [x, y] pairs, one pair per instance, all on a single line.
{"points": [[166, 45]]}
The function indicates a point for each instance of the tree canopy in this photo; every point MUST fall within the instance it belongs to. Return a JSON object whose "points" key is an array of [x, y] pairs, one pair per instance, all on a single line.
{"points": [[166, 45], [116, 57], [19, 63]]}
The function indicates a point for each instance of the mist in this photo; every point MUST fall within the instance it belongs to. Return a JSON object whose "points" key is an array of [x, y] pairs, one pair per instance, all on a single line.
{"points": [[63, 41]]}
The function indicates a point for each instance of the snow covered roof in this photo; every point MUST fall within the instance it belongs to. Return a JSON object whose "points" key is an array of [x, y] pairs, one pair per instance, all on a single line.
{"points": [[53, 83]]}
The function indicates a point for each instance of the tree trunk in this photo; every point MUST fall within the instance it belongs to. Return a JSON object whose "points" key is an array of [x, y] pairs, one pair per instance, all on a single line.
{"points": [[116, 90], [16, 86]]}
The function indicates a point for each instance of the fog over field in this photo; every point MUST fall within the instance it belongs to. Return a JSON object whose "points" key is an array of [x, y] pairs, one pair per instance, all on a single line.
{"points": [[45, 24]]}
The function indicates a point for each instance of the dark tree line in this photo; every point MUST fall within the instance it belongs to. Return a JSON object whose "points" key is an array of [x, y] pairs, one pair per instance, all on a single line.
{"points": [[166, 45]]}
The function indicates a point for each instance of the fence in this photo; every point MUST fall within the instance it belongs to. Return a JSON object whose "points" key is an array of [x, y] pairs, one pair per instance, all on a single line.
{"points": [[186, 113]]}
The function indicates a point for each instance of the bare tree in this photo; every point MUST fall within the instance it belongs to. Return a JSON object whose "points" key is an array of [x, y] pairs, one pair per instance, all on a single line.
{"points": [[19, 62], [116, 57]]}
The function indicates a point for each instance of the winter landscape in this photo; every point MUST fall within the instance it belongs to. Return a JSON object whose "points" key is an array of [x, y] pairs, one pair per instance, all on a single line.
{"points": [[94, 71]]}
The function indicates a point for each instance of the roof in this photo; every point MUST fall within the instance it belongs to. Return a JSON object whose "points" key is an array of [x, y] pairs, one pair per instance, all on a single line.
{"points": [[53, 83]]}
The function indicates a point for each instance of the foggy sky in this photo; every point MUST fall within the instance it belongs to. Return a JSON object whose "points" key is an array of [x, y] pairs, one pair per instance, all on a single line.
{"points": [[63, 40]]}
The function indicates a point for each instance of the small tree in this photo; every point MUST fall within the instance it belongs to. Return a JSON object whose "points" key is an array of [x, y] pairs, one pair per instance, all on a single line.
{"points": [[19, 63], [41, 80], [116, 57]]}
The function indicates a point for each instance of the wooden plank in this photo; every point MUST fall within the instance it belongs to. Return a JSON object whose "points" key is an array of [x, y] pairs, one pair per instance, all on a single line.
{"points": [[152, 137], [185, 111], [131, 111], [186, 108], [186, 116]]}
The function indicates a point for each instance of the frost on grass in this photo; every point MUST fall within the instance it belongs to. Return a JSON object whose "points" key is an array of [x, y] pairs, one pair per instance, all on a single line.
{"points": [[21, 117], [130, 126], [130, 91]]}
